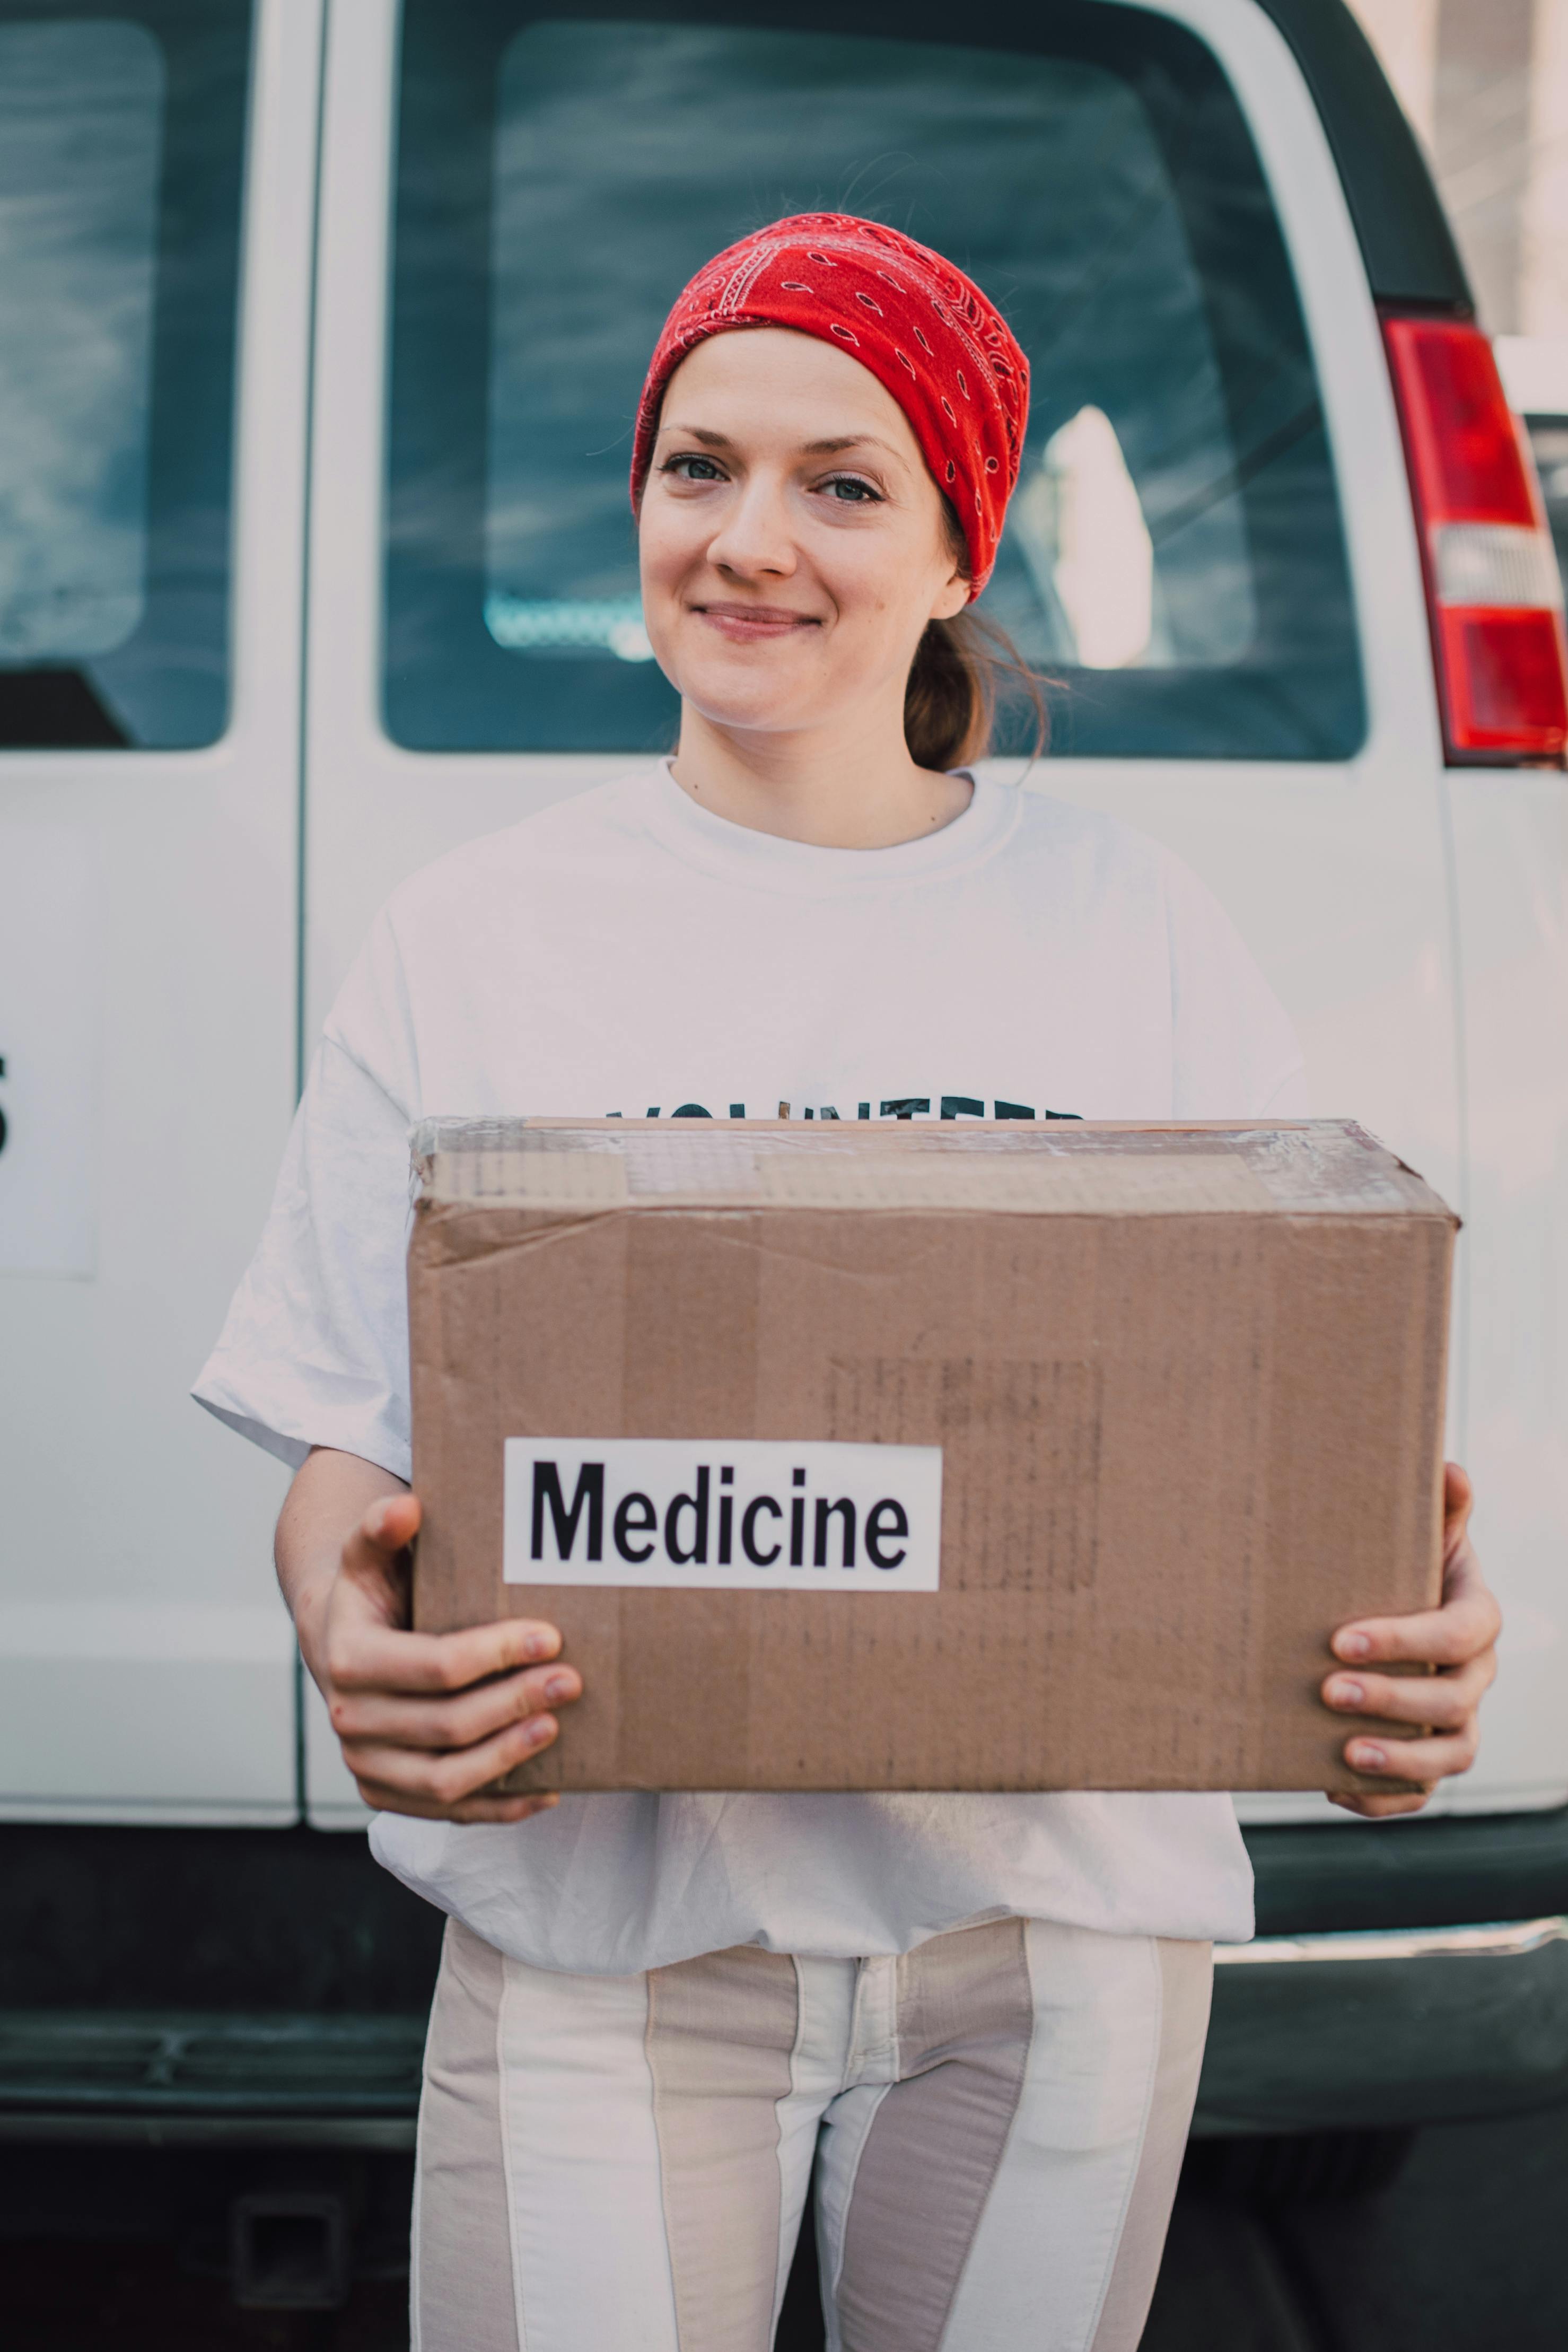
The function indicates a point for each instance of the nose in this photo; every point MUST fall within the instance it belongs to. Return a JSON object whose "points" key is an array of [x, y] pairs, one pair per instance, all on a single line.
{"points": [[754, 539]]}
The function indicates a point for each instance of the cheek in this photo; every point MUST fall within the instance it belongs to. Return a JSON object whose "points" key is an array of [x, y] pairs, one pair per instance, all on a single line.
{"points": [[884, 583], [669, 540]]}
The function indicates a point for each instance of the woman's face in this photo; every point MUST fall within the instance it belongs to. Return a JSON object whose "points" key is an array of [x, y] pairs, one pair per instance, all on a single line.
{"points": [[793, 543]]}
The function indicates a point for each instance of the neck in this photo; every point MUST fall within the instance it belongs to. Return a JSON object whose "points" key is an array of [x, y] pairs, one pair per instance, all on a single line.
{"points": [[843, 788]]}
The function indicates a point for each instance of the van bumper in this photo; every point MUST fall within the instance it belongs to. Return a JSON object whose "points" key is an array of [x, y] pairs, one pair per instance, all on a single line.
{"points": [[267, 1988], [1370, 2030], [1372, 1999]]}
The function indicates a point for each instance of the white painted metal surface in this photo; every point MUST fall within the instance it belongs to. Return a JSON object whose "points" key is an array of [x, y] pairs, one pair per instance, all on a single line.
{"points": [[146, 1666]]}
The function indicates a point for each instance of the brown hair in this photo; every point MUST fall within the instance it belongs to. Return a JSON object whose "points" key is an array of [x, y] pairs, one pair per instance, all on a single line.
{"points": [[960, 670]]}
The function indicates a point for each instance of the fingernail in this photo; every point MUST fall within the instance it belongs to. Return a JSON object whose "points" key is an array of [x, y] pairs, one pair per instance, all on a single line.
{"points": [[1368, 1754], [559, 1686], [1346, 1692], [537, 1646], [538, 1727], [1352, 1646]]}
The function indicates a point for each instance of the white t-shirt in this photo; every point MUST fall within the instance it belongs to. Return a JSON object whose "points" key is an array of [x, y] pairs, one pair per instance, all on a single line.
{"points": [[627, 952]]}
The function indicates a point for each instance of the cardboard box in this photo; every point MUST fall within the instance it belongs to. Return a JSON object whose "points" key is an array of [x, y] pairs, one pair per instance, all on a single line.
{"points": [[898, 1457]]}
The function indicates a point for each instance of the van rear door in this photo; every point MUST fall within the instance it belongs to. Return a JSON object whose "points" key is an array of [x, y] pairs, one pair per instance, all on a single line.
{"points": [[149, 578], [1211, 552]]}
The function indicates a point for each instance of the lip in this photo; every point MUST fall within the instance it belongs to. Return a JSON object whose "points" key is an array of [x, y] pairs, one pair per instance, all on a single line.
{"points": [[748, 623]]}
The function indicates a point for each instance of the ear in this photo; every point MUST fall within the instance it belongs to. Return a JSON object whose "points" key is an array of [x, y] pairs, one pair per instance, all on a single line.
{"points": [[951, 598]]}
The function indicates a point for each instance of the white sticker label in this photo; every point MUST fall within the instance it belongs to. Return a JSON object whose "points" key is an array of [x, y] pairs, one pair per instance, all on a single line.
{"points": [[723, 1516]]}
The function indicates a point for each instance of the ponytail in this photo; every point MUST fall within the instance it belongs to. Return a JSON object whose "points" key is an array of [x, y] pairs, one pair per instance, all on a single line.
{"points": [[959, 667]]}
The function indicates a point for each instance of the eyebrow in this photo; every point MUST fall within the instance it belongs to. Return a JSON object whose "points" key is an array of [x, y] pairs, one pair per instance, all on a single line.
{"points": [[808, 448]]}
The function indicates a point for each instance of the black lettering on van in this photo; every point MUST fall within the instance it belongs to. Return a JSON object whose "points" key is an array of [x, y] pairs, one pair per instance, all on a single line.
{"points": [[589, 1493], [825, 1510], [634, 1515], [962, 1107], [748, 1543], [1014, 1110], [690, 1111], [698, 1505], [886, 1522], [905, 1106]]}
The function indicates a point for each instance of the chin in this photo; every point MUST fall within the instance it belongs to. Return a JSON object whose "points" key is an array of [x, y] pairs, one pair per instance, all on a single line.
{"points": [[739, 717], [738, 696]]}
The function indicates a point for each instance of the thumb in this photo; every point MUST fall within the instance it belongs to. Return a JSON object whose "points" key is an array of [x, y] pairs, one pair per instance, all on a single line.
{"points": [[388, 1527], [1458, 1498]]}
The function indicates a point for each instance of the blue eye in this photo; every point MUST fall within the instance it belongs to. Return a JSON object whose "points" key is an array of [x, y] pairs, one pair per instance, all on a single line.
{"points": [[850, 492], [683, 466]]}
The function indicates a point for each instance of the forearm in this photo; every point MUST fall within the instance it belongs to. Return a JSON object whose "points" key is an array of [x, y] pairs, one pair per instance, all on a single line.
{"points": [[330, 1495]]}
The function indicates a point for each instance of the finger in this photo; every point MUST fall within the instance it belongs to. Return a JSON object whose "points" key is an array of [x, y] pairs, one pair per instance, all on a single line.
{"points": [[1445, 1701], [1378, 1808], [1426, 1760], [442, 1725], [471, 1809], [363, 1653], [444, 1781], [1468, 1623]]}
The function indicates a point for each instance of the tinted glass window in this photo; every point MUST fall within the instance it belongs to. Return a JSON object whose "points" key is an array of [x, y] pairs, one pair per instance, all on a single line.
{"points": [[120, 142], [1173, 562]]}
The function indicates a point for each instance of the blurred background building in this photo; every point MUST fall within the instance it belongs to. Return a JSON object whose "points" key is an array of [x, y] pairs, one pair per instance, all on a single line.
{"points": [[1486, 84]]}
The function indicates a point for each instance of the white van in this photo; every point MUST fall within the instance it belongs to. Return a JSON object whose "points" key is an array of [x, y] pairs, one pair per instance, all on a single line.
{"points": [[315, 560]]}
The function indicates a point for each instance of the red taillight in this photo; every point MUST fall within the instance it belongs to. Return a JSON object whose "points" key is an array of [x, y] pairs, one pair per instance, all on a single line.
{"points": [[1493, 589]]}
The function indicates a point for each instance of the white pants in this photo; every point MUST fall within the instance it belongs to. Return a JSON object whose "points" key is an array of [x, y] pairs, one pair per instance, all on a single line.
{"points": [[620, 2164]]}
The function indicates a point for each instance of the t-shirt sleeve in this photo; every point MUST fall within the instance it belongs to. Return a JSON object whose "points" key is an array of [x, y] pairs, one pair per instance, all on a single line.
{"points": [[315, 1349], [1235, 1052]]}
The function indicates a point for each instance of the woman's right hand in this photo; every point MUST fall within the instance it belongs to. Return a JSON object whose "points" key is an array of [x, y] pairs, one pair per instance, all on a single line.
{"points": [[428, 1722]]}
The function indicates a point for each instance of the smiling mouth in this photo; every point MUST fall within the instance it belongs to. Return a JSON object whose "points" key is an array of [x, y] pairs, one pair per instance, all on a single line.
{"points": [[746, 623]]}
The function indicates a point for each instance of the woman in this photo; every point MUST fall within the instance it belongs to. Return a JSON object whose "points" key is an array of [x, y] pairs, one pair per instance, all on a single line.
{"points": [[981, 2016]]}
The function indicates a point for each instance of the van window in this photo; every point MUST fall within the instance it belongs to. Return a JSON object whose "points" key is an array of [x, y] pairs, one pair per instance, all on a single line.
{"points": [[120, 142], [1174, 563]]}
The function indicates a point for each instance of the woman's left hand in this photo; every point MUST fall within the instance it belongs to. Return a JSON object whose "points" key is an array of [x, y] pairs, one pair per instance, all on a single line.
{"points": [[1457, 1639]]}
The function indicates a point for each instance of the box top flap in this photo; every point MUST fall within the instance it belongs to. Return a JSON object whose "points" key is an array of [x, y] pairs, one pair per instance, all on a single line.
{"points": [[1083, 1168]]}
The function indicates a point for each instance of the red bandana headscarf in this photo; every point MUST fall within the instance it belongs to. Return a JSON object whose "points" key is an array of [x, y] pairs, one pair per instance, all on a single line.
{"points": [[925, 332]]}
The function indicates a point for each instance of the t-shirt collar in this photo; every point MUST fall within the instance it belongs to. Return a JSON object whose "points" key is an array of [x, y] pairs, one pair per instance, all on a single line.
{"points": [[763, 861]]}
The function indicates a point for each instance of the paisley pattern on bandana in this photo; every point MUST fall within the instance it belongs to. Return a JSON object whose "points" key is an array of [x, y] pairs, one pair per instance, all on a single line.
{"points": [[925, 332]]}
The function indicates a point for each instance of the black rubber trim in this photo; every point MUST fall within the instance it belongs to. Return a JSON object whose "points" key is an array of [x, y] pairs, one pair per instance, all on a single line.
{"points": [[1314, 1877], [232, 1920], [1405, 241]]}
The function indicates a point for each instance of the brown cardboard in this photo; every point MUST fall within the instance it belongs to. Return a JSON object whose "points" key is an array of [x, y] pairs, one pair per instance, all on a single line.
{"points": [[1187, 1383]]}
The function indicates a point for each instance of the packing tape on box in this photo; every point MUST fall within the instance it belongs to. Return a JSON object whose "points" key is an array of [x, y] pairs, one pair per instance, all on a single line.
{"points": [[1081, 1185]]}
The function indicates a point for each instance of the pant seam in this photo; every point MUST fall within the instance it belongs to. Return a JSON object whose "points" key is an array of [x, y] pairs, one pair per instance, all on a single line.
{"points": [[780, 2266], [1157, 2046], [657, 2108], [415, 2325], [504, 2119]]}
